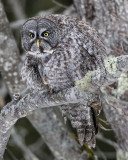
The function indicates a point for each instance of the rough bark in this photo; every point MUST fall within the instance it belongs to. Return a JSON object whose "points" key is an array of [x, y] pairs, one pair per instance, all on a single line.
{"points": [[9, 56], [18, 108]]}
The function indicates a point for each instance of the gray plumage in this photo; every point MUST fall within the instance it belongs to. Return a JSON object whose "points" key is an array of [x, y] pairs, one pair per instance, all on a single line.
{"points": [[61, 50]]}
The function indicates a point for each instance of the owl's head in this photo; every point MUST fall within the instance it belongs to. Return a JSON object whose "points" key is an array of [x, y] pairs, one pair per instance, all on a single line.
{"points": [[39, 36]]}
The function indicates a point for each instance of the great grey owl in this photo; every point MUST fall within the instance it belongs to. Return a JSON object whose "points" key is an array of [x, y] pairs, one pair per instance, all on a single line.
{"points": [[60, 51]]}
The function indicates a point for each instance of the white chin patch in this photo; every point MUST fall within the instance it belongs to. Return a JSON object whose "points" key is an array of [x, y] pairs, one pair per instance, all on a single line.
{"points": [[33, 53], [36, 53], [49, 51]]}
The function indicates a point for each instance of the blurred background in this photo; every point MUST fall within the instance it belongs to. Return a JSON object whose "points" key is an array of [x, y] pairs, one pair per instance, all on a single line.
{"points": [[26, 142]]}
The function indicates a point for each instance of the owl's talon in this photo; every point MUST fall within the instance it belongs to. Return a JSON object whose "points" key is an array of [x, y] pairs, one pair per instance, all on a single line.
{"points": [[81, 142], [81, 139], [16, 96], [97, 107], [45, 81], [51, 90]]}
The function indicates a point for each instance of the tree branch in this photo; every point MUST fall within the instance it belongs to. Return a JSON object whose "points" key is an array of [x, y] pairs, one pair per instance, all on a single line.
{"points": [[17, 9], [18, 108], [114, 67]]}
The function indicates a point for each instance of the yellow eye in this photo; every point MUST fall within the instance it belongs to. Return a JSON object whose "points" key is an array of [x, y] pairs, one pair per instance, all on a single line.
{"points": [[32, 35], [45, 34]]}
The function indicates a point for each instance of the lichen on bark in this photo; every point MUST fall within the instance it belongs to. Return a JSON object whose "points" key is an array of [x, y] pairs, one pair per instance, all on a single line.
{"points": [[85, 84], [110, 64]]}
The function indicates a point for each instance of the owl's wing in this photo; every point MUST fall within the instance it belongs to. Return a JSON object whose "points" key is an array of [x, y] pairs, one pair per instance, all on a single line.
{"points": [[83, 119], [93, 50]]}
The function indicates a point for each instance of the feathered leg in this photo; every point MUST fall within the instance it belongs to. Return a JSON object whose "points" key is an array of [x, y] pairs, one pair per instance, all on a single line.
{"points": [[83, 119]]}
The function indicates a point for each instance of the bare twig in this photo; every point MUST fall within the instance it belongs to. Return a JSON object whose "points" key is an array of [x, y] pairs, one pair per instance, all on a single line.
{"points": [[110, 142], [17, 9], [59, 4], [1, 101], [20, 143]]}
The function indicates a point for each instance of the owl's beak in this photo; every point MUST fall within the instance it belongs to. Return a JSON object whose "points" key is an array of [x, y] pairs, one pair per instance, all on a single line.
{"points": [[38, 43]]}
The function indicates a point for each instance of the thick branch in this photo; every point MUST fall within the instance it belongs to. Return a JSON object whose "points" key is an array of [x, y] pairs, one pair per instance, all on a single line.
{"points": [[23, 107], [114, 67], [9, 56]]}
